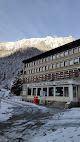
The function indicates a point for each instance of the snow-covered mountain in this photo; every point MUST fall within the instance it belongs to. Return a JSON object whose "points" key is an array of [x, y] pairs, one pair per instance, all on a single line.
{"points": [[39, 43], [12, 53]]}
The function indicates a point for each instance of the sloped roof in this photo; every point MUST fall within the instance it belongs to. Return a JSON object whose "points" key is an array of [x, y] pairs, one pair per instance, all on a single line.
{"points": [[54, 51]]}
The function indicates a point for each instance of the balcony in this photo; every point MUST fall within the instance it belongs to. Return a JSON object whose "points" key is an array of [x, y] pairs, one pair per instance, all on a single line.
{"points": [[52, 77]]}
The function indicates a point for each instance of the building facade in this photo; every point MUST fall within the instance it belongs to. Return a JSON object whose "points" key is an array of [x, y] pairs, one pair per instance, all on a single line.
{"points": [[55, 73]]}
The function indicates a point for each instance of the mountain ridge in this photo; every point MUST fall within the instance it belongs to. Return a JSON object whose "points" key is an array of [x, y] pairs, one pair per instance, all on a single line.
{"points": [[13, 53]]}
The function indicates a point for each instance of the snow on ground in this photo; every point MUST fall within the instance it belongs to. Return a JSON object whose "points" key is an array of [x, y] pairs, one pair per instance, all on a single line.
{"points": [[64, 127], [61, 127], [5, 111], [71, 134]]}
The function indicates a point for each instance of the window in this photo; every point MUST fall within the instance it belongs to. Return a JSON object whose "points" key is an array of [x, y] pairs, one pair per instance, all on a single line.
{"points": [[40, 68], [61, 75], [32, 70], [40, 77], [58, 55], [62, 64], [30, 79], [53, 76], [45, 91], [57, 75], [29, 91], [50, 58], [51, 91], [59, 91], [76, 73], [35, 70], [34, 91], [50, 67], [66, 63], [70, 73], [62, 54], [70, 52], [38, 91], [54, 66], [35, 78], [76, 61], [35, 62], [75, 50], [40, 60], [47, 67], [27, 71], [66, 91], [79, 48], [44, 68], [28, 64], [58, 65], [66, 53], [43, 60], [54, 57], [71, 62], [74, 91], [47, 59], [66, 74]]}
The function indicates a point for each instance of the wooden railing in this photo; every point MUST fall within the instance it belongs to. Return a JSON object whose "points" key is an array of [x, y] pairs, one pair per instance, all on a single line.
{"points": [[53, 77]]}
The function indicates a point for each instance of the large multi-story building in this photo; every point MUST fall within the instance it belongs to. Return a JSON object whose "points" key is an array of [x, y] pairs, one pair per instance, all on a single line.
{"points": [[55, 73]]}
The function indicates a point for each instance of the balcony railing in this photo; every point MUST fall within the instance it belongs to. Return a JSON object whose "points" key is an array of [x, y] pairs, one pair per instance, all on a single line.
{"points": [[53, 77]]}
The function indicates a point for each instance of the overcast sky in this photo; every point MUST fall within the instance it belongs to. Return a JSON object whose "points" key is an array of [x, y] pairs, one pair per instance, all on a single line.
{"points": [[39, 18]]}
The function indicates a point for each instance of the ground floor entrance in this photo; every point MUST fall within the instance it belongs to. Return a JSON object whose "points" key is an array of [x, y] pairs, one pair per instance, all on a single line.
{"points": [[56, 91]]}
